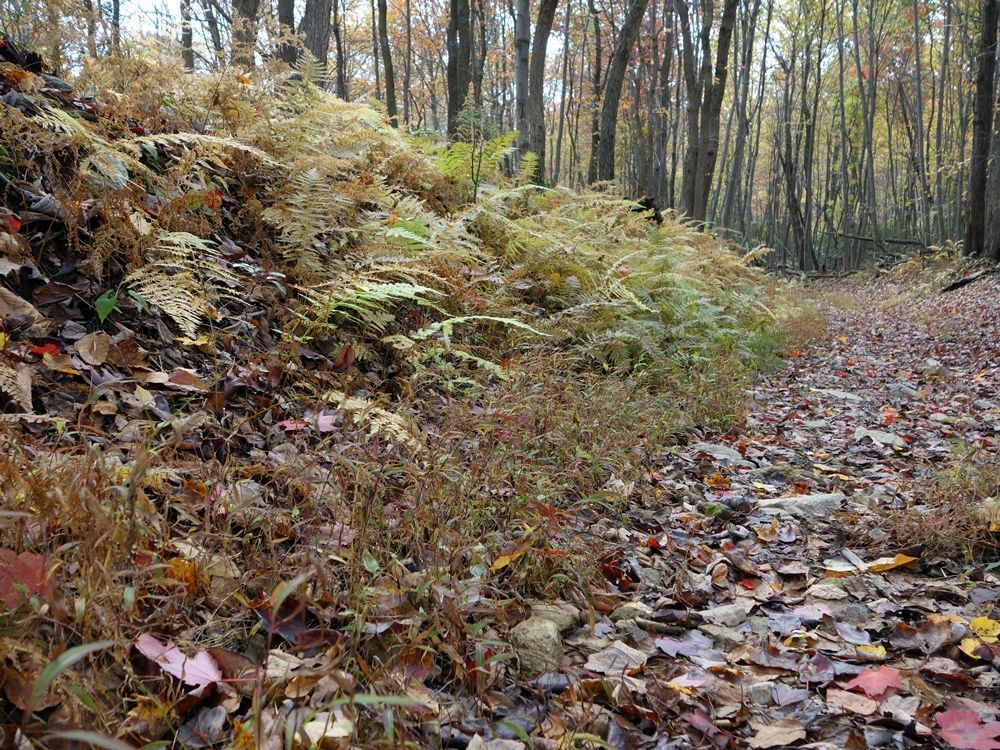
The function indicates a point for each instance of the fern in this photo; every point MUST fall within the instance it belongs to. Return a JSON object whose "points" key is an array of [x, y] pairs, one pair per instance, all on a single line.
{"points": [[181, 275], [379, 421]]}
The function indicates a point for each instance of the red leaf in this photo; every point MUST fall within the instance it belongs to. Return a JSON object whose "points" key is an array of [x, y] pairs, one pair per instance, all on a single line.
{"points": [[21, 576], [876, 682], [14, 224], [47, 348], [963, 729], [344, 360]]}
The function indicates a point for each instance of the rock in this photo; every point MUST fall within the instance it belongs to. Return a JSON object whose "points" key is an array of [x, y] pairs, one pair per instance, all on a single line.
{"points": [[728, 615], [725, 638], [934, 369], [563, 614], [720, 452], [760, 694], [805, 506], [816, 424], [537, 643], [842, 395], [879, 437], [905, 390], [630, 611]]}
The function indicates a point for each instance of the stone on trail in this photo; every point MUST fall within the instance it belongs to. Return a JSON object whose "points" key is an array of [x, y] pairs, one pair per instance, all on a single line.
{"points": [[563, 614], [537, 643], [720, 452], [842, 395], [805, 506], [879, 437], [630, 611]]}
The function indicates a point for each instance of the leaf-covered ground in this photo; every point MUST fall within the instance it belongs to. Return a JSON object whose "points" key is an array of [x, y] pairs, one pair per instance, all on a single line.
{"points": [[304, 445], [826, 581]]}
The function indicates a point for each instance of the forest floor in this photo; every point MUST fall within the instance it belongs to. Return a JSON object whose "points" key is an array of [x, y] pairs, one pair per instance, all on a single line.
{"points": [[846, 595]]}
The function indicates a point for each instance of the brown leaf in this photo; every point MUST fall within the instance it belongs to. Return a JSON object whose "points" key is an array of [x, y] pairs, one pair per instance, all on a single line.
{"points": [[784, 732], [94, 347]]}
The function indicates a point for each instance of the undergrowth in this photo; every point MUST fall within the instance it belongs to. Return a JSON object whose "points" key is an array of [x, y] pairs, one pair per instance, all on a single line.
{"points": [[333, 382]]}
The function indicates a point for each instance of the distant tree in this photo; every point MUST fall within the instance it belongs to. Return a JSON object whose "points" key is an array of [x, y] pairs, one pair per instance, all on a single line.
{"points": [[975, 227]]}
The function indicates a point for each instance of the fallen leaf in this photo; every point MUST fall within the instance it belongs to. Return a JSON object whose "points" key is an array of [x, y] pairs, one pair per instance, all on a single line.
{"points": [[963, 729], [21, 577], [876, 681], [198, 670], [94, 347], [616, 659], [851, 702], [988, 630], [784, 732], [885, 564]]}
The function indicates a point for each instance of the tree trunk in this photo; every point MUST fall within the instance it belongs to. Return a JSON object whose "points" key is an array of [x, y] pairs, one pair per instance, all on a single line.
{"points": [[407, 64], [390, 76], [536, 85], [522, 43], [459, 43], [714, 88], [613, 88], [315, 27], [287, 51], [595, 118], [975, 227], [340, 51], [187, 36], [244, 32]]}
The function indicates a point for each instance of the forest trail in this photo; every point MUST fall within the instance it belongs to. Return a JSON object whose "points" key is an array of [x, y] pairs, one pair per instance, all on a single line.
{"points": [[810, 608]]}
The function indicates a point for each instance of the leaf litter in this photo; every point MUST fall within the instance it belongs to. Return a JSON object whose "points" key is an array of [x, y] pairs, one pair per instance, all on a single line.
{"points": [[757, 588]]}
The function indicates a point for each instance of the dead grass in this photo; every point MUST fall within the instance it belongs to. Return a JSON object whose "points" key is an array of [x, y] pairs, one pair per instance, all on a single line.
{"points": [[958, 517]]}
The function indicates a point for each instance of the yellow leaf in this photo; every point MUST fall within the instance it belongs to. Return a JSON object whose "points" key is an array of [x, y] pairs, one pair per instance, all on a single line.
{"points": [[3, 340], [968, 646], [871, 651], [986, 629], [200, 341], [245, 80], [884, 564], [504, 560], [686, 690]]}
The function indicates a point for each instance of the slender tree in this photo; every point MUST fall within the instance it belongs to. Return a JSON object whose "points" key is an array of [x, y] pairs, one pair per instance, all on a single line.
{"points": [[975, 227]]}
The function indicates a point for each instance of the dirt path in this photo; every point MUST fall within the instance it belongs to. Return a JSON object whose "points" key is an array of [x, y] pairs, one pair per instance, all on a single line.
{"points": [[786, 593]]}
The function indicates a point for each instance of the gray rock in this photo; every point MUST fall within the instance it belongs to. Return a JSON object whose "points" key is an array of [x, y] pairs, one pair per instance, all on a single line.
{"points": [[728, 615], [879, 437], [725, 638], [630, 611], [563, 614], [842, 395], [538, 644], [905, 390], [717, 451], [760, 694], [805, 506], [816, 424]]}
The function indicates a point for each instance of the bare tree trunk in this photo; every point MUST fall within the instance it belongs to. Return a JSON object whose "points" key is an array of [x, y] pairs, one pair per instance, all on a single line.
{"points": [[315, 28], [214, 33], [562, 95], [975, 227], [713, 90], [522, 43], [245, 14], [459, 42], [341, 52], [116, 26], [536, 85], [390, 76], [187, 36], [595, 76], [90, 16], [408, 65], [286, 23], [613, 88]]}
